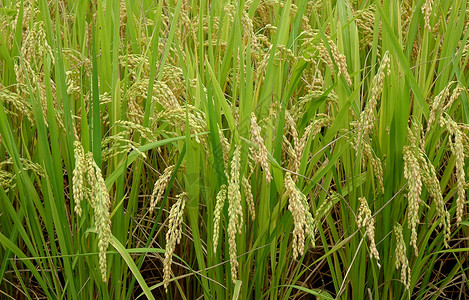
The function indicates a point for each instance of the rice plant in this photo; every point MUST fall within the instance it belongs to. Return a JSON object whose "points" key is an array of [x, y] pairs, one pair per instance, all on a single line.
{"points": [[255, 149]]}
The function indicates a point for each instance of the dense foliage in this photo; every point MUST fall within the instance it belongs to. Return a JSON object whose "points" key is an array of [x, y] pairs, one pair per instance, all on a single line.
{"points": [[253, 149]]}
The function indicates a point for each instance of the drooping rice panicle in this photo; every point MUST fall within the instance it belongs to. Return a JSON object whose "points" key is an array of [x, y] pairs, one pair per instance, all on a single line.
{"points": [[412, 174], [259, 154], [220, 202], [160, 187], [235, 212], [364, 219], [173, 236], [401, 261]]}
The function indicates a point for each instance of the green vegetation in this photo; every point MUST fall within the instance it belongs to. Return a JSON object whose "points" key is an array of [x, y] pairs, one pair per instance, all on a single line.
{"points": [[234, 149]]}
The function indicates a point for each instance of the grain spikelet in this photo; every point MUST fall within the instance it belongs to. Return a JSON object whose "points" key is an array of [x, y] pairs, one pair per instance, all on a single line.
{"points": [[249, 198], [401, 256], [220, 202], [341, 62], [456, 144], [369, 156], [412, 174], [225, 147], [427, 11], [160, 187], [173, 236], [438, 101], [296, 151], [367, 117], [78, 173], [298, 212], [433, 186], [118, 144], [302, 219], [102, 219], [364, 219], [18, 102], [365, 20], [130, 127], [260, 154], [7, 178], [98, 197], [235, 212]]}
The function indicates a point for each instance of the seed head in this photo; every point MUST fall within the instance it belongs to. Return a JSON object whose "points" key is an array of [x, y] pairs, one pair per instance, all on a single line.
{"points": [[437, 104], [341, 62], [235, 212], [412, 174], [259, 155], [401, 257], [173, 236], [220, 202], [433, 186], [367, 117], [160, 187], [369, 157], [102, 219], [249, 197], [302, 219], [77, 179], [456, 142], [364, 218], [97, 195], [427, 11]]}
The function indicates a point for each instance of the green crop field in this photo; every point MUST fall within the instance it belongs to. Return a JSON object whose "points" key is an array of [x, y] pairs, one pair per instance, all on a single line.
{"points": [[252, 149]]}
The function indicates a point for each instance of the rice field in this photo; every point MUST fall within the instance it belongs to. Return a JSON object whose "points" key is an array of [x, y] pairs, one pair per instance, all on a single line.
{"points": [[255, 149]]}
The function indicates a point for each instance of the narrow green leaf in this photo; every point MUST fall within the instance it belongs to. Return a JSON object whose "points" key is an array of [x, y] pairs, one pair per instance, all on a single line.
{"points": [[130, 263]]}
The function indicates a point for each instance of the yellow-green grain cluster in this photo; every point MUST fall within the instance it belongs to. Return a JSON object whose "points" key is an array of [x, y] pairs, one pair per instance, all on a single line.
{"points": [[173, 235], [88, 183]]}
